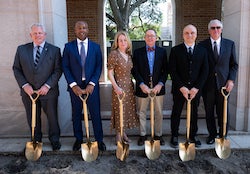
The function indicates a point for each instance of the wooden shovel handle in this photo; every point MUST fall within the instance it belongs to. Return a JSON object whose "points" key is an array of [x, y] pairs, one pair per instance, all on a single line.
{"points": [[152, 97], [120, 98], [188, 116], [225, 94], [33, 118], [85, 112]]}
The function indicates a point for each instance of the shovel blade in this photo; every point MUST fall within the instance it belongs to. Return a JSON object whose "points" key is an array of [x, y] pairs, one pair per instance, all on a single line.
{"points": [[152, 149], [222, 148], [89, 151], [187, 151], [33, 151], [122, 150]]}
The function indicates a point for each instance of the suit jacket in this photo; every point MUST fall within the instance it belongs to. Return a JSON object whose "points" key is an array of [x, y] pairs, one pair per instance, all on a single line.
{"points": [[226, 67], [188, 72], [72, 67], [141, 70], [47, 71]]}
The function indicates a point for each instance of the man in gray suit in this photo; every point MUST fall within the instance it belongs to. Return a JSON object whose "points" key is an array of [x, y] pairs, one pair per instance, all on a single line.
{"points": [[37, 67]]}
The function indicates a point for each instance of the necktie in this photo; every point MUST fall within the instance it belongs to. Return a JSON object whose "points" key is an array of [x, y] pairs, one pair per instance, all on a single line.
{"points": [[38, 54], [216, 55], [190, 51], [83, 59]]}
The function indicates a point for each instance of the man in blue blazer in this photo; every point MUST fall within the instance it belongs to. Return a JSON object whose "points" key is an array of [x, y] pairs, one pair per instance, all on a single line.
{"points": [[222, 73], [41, 73], [150, 73], [188, 69], [82, 67]]}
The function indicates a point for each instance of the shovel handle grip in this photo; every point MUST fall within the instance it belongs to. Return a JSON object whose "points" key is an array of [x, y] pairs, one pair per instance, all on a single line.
{"points": [[33, 99], [224, 92]]}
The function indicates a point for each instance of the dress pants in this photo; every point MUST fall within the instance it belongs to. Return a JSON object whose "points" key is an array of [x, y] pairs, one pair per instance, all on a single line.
{"points": [[50, 108], [93, 105], [213, 102], [143, 107], [179, 101]]}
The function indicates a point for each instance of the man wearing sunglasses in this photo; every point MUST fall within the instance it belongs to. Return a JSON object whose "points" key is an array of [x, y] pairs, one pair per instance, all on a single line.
{"points": [[222, 73]]}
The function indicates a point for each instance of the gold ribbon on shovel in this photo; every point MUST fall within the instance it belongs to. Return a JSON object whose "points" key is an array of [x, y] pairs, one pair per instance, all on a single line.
{"points": [[33, 149], [187, 149], [122, 150], [89, 149], [222, 145]]}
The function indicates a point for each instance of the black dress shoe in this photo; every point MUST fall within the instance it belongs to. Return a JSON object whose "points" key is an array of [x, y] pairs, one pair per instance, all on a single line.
{"points": [[196, 141], [162, 142], [101, 146], [141, 140], [210, 140], [174, 142], [56, 145], [77, 145]]}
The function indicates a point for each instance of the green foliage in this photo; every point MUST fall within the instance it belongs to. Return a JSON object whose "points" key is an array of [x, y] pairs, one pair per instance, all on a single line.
{"points": [[146, 15]]}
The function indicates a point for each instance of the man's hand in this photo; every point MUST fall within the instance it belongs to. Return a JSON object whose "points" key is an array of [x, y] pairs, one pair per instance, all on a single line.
{"points": [[28, 89], [89, 88], [184, 92], [145, 89], [157, 89], [193, 92], [229, 85], [77, 90], [43, 90]]}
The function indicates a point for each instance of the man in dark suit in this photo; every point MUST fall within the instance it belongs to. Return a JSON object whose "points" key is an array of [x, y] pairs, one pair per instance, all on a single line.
{"points": [[150, 73], [222, 73], [82, 67], [188, 69], [37, 66]]}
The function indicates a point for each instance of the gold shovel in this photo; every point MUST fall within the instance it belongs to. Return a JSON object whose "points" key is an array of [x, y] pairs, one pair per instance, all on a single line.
{"points": [[152, 147], [122, 150], [187, 149], [33, 149], [89, 149], [222, 145]]}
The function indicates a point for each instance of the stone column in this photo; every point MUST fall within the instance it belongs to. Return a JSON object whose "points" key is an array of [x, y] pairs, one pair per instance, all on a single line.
{"points": [[52, 13], [237, 27]]}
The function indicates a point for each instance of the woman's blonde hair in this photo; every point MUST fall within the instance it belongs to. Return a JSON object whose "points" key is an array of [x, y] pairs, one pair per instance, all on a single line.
{"points": [[115, 43]]}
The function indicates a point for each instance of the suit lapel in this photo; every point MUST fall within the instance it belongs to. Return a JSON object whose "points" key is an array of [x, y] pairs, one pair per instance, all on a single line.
{"points": [[30, 53]]}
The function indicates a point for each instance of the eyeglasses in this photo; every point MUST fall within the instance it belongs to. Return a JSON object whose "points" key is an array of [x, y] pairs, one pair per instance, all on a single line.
{"points": [[150, 36], [213, 28]]}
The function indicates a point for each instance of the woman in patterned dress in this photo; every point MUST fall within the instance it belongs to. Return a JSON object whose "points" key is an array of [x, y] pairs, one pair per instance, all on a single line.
{"points": [[119, 73]]}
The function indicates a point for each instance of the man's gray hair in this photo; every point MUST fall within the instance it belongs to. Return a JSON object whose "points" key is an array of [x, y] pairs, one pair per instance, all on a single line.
{"points": [[38, 25], [215, 21]]}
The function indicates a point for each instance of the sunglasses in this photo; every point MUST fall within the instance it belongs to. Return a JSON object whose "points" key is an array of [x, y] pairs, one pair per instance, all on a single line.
{"points": [[213, 28]]}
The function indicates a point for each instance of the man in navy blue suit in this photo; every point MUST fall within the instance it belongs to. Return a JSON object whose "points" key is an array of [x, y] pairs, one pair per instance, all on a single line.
{"points": [[222, 73], [82, 67]]}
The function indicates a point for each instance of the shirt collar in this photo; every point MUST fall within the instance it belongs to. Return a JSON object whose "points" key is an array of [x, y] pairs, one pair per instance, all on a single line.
{"points": [[85, 42], [187, 46], [217, 41], [41, 45], [150, 47]]}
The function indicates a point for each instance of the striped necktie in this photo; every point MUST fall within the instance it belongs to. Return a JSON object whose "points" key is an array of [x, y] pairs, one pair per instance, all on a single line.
{"points": [[38, 55]]}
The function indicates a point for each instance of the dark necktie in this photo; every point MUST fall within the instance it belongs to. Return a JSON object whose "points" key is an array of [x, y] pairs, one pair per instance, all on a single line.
{"points": [[190, 51], [216, 55], [83, 59], [38, 54]]}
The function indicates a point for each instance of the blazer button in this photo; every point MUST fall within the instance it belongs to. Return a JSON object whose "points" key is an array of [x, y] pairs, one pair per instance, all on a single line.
{"points": [[215, 74]]}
